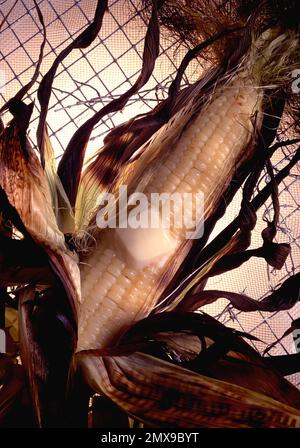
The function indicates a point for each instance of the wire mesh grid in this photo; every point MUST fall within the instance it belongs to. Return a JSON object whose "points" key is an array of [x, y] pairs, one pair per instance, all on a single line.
{"points": [[88, 79]]}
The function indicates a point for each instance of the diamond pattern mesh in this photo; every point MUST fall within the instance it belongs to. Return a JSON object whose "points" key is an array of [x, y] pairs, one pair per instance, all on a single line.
{"points": [[89, 79]]}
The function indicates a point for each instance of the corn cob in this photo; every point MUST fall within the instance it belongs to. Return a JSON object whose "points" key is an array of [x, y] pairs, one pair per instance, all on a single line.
{"points": [[119, 277]]}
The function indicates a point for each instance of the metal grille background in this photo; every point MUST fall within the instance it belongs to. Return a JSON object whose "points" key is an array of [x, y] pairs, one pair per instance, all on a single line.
{"points": [[89, 79]]}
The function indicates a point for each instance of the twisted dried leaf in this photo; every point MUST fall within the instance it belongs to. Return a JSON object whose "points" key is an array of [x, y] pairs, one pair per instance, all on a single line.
{"points": [[44, 91], [48, 340], [72, 159], [283, 298], [164, 395]]}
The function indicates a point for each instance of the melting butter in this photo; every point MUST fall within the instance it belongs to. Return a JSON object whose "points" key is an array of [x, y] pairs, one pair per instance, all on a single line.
{"points": [[147, 246]]}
